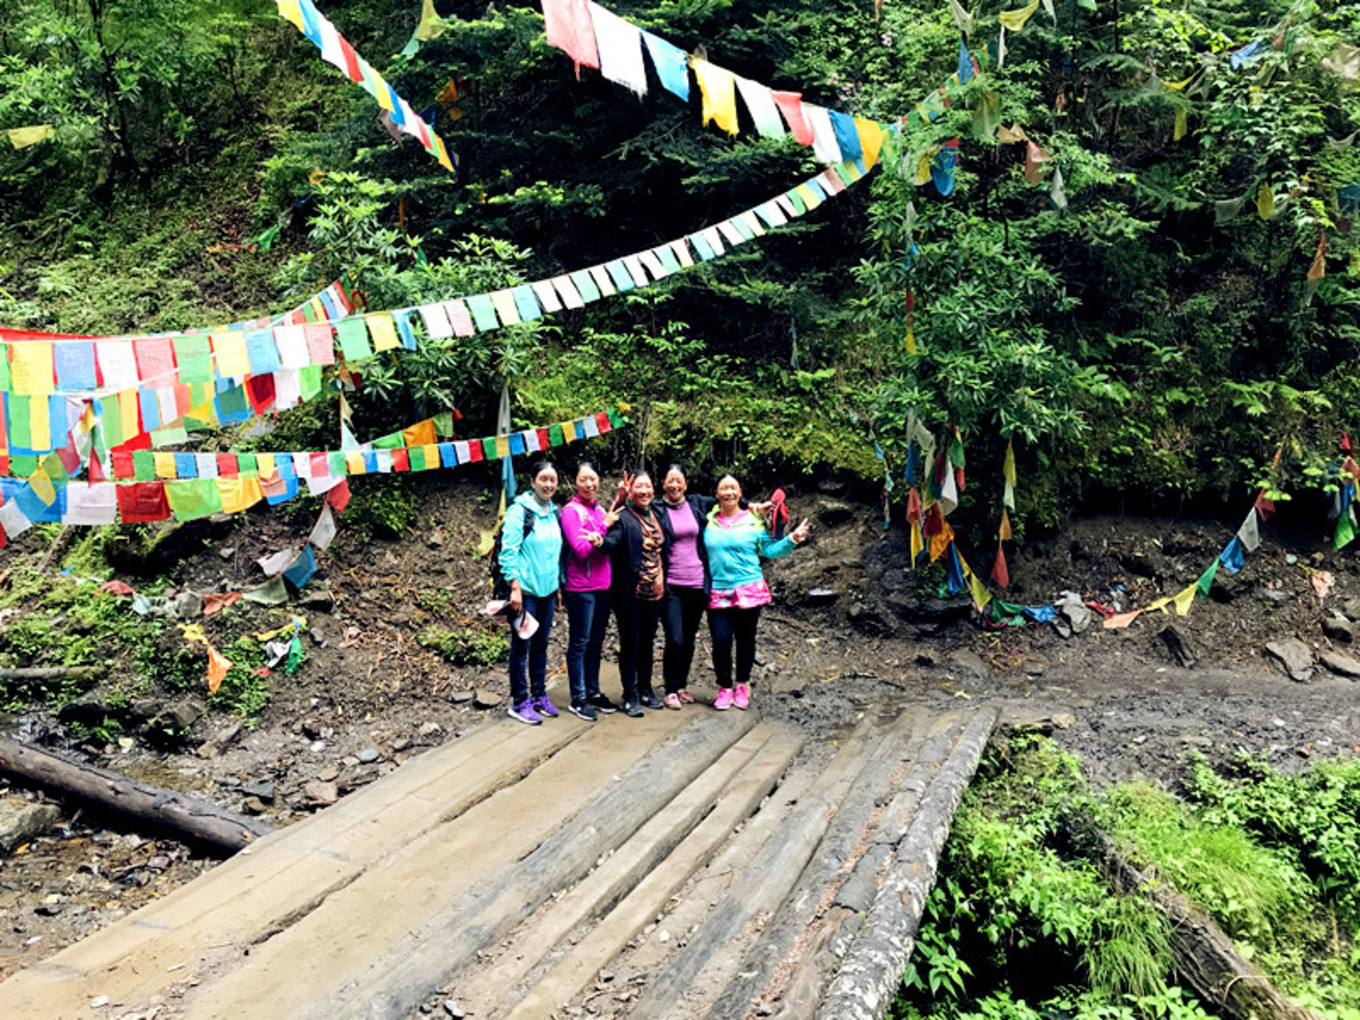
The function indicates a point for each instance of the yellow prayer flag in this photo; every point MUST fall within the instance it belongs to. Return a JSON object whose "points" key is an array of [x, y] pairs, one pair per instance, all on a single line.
{"points": [[808, 196], [1004, 531], [292, 10], [22, 138], [165, 465], [419, 434], [1178, 131], [506, 311], [911, 341], [719, 90], [1009, 135], [1008, 464], [981, 596], [128, 414], [569, 432], [31, 369], [1265, 202], [1183, 600], [354, 462], [239, 493], [229, 351], [870, 139], [431, 25], [381, 92], [917, 543], [1318, 269], [443, 154], [503, 446], [1178, 86], [39, 423], [1015, 20], [43, 487], [923, 166], [383, 330], [264, 463], [1159, 606]]}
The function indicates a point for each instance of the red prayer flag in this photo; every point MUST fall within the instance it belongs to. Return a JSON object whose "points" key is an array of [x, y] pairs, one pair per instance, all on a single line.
{"points": [[1000, 574], [142, 501], [351, 59], [569, 28], [227, 466], [338, 496], [791, 106], [261, 391], [401, 460], [603, 423], [543, 443], [122, 465]]}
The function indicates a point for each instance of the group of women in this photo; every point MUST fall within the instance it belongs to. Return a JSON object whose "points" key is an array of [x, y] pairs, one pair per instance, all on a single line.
{"points": [[650, 563]]}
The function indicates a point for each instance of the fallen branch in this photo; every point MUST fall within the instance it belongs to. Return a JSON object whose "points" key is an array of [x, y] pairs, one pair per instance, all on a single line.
{"points": [[51, 672], [154, 807]]}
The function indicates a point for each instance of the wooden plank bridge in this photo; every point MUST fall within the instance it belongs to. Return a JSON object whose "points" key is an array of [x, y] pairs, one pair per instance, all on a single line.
{"points": [[688, 864]]}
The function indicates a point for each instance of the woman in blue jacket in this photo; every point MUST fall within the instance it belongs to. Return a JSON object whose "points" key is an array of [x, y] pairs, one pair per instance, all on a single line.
{"points": [[735, 540], [530, 561]]}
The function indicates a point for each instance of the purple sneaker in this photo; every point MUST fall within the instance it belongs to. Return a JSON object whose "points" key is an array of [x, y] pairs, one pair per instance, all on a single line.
{"points": [[544, 707], [525, 713]]}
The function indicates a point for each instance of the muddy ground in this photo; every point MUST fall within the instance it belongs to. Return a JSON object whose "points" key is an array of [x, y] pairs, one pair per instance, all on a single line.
{"points": [[851, 627]]}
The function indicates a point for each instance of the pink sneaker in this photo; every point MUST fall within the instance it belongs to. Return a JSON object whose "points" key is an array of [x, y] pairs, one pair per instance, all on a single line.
{"points": [[724, 699], [685, 696], [672, 701], [743, 696]]}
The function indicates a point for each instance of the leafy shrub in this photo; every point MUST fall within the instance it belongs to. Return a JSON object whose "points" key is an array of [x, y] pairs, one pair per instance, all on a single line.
{"points": [[471, 646]]}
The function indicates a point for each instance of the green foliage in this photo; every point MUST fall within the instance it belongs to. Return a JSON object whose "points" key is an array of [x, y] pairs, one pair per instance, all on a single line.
{"points": [[244, 691], [1312, 819], [382, 507], [469, 646]]}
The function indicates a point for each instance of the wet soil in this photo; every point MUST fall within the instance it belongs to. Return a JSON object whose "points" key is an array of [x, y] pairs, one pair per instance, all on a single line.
{"points": [[851, 628]]}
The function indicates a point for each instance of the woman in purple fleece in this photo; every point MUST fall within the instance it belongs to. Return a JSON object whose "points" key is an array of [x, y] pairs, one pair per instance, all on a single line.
{"points": [[586, 588]]}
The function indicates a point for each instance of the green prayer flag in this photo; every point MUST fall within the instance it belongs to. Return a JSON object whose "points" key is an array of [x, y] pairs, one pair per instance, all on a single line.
{"points": [[742, 228], [246, 464], [308, 312], [555, 437], [193, 355], [616, 419], [668, 260], [309, 378], [233, 401], [1206, 579], [335, 463], [191, 498], [1009, 613], [172, 435], [1345, 532], [21, 465], [4, 370], [489, 449], [353, 336], [443, 424], [143, 466], [20, 427], [844, 174], [585, 285], [797, 201], [483, 312], [55, 470], [417, 458], [391, 442]]}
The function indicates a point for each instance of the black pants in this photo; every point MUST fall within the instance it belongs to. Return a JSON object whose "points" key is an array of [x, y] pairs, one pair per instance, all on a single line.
{"points": [[681, 613], [637, 634], [728, 624]]}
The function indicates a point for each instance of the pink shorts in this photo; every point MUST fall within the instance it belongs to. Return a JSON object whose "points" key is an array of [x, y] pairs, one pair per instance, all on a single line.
{"points": [[746, 596]]}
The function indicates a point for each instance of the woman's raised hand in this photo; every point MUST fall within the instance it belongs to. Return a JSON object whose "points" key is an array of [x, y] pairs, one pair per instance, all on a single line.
{"points": [[625, 487], [610, 519], [800, 533]]}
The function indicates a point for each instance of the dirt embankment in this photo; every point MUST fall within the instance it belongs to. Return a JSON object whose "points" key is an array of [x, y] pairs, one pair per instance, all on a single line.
{"points": [[851, 626]]}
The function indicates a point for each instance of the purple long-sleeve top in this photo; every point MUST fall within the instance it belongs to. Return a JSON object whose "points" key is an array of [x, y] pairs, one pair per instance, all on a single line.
{"points": [[587, 567]]}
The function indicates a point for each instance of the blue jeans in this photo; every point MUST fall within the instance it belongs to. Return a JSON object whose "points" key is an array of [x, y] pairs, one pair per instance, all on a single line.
{"points": [[587, 621], [534, 651]]}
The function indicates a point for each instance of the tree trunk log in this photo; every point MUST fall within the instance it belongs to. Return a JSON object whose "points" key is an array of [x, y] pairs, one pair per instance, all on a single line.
{"points": [[154, 807], [864, 986], [50, 672], [1206, 959]]}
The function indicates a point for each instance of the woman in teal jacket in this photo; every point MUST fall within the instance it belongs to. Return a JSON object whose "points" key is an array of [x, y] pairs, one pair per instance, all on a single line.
{"points": [[530, 561], [735, 540]]}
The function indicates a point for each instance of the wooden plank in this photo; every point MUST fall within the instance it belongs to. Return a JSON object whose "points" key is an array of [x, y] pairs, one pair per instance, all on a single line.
{"points": [[569, 977], [447, 893], [764, 884], [481, 985], [864, 986], [282, 877]]}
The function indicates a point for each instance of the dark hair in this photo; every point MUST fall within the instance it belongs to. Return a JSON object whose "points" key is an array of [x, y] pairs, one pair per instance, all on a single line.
{"points": [[726, 475], [677, 467], [640, 475], [585, 465], [539, 466]]}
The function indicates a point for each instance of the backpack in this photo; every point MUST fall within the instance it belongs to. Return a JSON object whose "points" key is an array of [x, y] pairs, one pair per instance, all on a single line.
{"points": [[500, 587]]}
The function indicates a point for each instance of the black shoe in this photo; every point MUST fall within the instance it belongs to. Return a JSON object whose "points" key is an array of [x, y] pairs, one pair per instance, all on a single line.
{"points": [[632, 709], [652, 701], [602, 704], [582, 710]]}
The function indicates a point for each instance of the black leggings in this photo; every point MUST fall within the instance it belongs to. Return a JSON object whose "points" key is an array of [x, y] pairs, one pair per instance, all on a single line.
{"points": [[725, 625], [681, 615], [637, 634]]}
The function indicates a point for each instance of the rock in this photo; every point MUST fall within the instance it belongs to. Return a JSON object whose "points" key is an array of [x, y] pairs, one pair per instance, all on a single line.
{"points": [[329, 774], [1063, 626], [400, 744], [484, 698], [967, 663], [253, 806], [1294, 656], [452, 1008], [319, 598], [371, 754], [1025, 720], [461, 697], [181, 715], [21, 820], [320, 794], [1351, 607], [227, 552], [1338, 628], [311, 729], [833, 486], [1182, 651], [186, 605], [99, 1002], [926, 658], [430, 729], [263, 790], [821, 596], [50, 909], [87, 711], [834, 513], [435, 538], [1277, 594], [143, 710], [318, 637], [1078, 616], [1341, 663], [1034, 665]]}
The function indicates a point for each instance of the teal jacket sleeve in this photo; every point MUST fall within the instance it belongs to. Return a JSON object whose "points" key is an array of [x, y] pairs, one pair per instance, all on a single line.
{"points": [[512, 543]]}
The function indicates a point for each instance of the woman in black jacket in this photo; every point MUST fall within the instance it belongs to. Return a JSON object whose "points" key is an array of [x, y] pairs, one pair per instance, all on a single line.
{"points": [[638, 544], [687, 581]]}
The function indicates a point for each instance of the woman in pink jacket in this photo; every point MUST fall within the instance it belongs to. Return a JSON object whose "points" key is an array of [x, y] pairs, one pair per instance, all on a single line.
{"points": [[586, 590]]}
